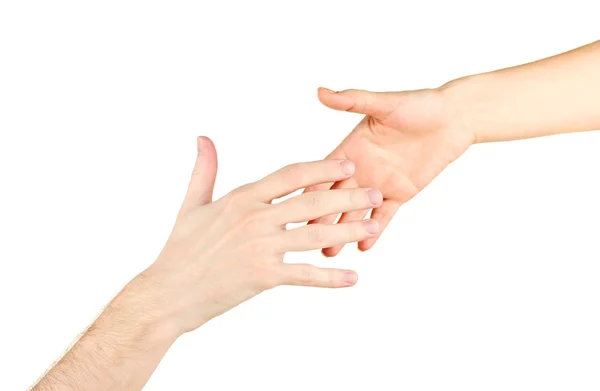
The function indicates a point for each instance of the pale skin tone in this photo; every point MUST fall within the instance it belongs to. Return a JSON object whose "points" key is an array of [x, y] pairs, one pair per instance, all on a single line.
{"points": [[407, 138], [223, 253], [219, 255]]}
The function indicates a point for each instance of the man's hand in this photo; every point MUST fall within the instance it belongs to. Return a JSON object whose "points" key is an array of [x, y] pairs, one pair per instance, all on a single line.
{"points": [[405, 140], [225, 252], [219, 255]]}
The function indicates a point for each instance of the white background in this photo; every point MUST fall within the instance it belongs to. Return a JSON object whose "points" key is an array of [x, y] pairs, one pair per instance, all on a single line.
{"points": [[488, 280]]}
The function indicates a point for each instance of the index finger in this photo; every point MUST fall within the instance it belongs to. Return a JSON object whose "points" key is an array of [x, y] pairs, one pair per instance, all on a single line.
{"points": [[299, 176]]}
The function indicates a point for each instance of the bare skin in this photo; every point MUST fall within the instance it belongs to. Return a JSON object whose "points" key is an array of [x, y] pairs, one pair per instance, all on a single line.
{"points": [[219, 255], [407, 138], [225, 252]]}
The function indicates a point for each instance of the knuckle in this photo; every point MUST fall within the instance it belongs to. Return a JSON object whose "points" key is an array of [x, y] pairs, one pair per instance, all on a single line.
{"points": [[316, 233], [243, 190], [351, 233], [257, 246], [356, 231], [307, 276], [314, 202], [356, 198], [361, 104], [255, 222], [253, 216], [266, 278], [332, 277], [293, 173], [347, 233], [237, 195]]}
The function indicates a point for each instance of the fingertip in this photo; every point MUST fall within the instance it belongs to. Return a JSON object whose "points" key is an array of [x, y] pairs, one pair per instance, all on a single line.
{"points": [[335, 100], [204, 144], [322, 94], [372, 227], [375, 196], [366, 245], [331, 252], [383, 215], [350, 278], [206, 162], [325, 90], [200, 188], [348, 167]]}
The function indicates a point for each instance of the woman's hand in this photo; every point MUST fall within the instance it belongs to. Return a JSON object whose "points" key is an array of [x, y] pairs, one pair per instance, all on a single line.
{"points": [[406, 139], [223, 253]]}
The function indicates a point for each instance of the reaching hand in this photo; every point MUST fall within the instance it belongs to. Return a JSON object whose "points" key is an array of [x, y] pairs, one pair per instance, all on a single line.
{"points": [[224, 252], [403, 143]]}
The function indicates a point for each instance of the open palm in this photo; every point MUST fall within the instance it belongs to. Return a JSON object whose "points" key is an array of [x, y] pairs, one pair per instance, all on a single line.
{"points": [[403, 143]]}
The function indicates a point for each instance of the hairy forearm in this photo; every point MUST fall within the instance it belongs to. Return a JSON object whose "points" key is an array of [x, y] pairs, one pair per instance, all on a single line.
{"points": [[121, 349], [560, 94]]}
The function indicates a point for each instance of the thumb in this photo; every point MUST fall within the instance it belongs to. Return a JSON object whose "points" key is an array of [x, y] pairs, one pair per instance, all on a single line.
{"points": [[376, 104], [200, 189]]}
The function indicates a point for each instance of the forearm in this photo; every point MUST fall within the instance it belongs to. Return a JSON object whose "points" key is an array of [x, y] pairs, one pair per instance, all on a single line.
{"points": [[121, 349], [560, 94]]}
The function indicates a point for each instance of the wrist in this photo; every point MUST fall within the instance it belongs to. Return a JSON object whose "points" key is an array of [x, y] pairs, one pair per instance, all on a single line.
{"points": [[175, 300], [141, 310], [466, 101]]}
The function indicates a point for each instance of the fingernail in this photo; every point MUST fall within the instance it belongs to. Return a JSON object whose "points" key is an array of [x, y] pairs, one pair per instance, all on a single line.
{"points": [[199, 142], [350, 278], [347, 168], [372, 226], [328, 90], [375, 196]]}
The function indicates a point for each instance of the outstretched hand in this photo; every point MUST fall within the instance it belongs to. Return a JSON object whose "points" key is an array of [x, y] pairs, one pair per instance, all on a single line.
{"points": [[221, 253], [406, 139]]}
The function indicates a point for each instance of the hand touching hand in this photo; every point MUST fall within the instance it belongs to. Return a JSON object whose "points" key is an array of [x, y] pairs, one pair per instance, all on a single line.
{"points": [[222, 253], [405, 140], [219, 255]]}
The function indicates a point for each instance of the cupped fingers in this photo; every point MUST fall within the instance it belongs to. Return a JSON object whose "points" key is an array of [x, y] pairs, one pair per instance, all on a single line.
{"points": [[349, 183], [318, 236], [383, 215], [348, 217], [310, 275]]}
